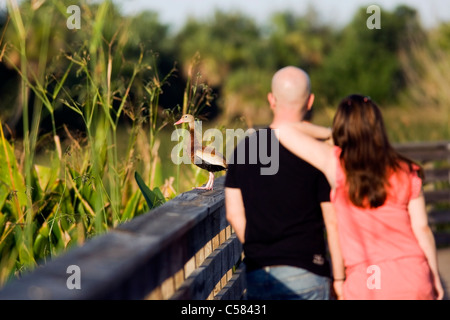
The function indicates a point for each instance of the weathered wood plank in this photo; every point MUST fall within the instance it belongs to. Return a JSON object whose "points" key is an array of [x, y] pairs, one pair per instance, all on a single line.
{"points": [[437, 175], [112, 267], [437, 196], [203, 280], [179, 278], [442, 239], [427, 145], [424, 152], [235, 288], [439, 216]]}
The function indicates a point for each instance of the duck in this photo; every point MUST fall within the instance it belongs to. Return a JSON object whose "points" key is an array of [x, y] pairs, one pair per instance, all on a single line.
{"points": [[202, 158]]}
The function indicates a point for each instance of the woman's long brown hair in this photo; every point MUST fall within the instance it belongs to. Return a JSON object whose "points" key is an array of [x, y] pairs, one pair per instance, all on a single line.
{"points": [[367, 156]]}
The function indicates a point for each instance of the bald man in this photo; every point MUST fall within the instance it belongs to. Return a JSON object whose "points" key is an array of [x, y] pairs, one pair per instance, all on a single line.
{"points": [[279, 217], [291, 96]]}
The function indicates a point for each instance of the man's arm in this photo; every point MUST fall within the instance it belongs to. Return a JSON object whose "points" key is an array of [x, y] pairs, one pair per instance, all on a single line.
{"points": [[235, 212], [337, 261]]}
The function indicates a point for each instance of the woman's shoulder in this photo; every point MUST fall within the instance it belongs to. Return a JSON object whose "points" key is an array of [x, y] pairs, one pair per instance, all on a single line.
{"points": [[407, 179], [409, 171]]}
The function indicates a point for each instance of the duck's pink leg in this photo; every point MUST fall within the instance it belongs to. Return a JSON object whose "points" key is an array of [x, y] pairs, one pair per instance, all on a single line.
{"points": [[211, 181], [209, 184]]}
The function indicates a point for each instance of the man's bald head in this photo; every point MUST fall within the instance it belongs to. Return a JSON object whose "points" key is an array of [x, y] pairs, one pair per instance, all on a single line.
{"points": [[291, 87]]}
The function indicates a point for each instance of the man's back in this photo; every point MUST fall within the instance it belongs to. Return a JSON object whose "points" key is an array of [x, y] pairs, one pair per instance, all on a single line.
{"points": [[284, 218], [274, 202]]}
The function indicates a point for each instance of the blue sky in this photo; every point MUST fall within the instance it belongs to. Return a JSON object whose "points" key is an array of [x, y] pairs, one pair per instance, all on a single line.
{"points": [[175, 12]]}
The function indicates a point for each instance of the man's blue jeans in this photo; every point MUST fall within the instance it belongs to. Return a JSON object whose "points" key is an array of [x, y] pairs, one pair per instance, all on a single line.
{"points": [[286, 283]]}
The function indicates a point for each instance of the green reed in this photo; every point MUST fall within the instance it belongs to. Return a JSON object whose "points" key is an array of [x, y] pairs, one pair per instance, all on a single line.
{"points": [[86, 185]]}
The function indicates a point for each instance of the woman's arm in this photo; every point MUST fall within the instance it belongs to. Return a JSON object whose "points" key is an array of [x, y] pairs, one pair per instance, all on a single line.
{"points": [[422, 231], [314, 131], [301, 140]]}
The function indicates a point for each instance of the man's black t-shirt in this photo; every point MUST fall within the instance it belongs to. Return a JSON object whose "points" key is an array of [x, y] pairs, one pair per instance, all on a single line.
{"points": [[284, 218]]}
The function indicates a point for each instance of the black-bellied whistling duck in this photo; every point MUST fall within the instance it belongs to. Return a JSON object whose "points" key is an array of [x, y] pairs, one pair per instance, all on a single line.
{"points": [[211, 161]]}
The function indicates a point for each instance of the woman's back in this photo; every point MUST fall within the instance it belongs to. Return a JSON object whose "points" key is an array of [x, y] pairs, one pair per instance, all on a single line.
{"points": [[381, 239]]}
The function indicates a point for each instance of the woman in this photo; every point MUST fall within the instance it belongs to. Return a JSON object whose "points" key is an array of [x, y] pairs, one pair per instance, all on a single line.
{"points": [[388, 248]]}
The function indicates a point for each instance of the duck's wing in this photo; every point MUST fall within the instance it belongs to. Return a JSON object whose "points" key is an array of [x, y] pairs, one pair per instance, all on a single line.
{"points": [[210, 156]]}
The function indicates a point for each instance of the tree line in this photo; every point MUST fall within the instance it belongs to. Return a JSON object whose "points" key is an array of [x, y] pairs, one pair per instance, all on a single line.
{"points": [[231, 53]]}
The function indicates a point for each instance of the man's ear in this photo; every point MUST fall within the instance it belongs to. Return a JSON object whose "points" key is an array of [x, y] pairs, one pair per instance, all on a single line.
{"points": [[272, 100], [311, 100]]}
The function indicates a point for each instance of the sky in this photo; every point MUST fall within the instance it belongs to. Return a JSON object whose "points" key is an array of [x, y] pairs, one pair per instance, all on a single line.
{"points": [[339, 12], [175, 12]]}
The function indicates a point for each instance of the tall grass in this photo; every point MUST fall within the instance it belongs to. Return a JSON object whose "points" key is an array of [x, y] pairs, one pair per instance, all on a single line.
{"points": [[62, 188], [427, 72], [86, 184]]}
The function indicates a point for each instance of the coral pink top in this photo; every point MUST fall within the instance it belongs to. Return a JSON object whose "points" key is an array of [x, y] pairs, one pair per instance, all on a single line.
{"points": [[382, 256]]}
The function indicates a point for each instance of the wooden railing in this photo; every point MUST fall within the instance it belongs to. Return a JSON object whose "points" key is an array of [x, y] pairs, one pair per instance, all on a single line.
{"points": [[185, 249]]}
